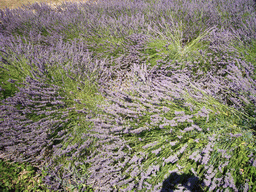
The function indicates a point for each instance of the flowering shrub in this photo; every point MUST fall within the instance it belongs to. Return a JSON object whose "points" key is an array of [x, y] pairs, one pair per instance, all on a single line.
{"points": [[123, 96]]}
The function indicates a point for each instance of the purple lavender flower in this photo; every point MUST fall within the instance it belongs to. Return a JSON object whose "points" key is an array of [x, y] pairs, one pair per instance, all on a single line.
{"points": [[157, 151], [179, 112], [171, 159], [172, 143]]}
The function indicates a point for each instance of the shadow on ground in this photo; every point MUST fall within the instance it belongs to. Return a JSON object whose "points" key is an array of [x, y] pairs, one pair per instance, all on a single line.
{"points": [[183, 182]]}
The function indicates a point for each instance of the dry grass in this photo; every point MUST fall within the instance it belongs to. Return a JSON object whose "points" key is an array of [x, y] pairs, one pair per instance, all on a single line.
{"points": [[12, 4]]}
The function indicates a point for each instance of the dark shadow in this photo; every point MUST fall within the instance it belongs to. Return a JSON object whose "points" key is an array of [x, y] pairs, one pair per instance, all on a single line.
{"points": [[187, 181]]}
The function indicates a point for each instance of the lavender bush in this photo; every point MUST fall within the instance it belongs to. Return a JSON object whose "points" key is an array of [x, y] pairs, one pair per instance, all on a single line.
{"points": [[132, 95]]}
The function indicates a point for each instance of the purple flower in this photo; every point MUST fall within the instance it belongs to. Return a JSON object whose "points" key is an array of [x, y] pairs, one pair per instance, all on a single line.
{"points": [[246, 187], [189, 128], [179, 167], [179, 112], [157, 151], [254, 163], [206, 158], [150, 145], [213, 186], [171, 159], [250, 155], [228, 156], [183, 149], [238, 135], [193, 154], [207, 182], [179, 136], [162, 125], [172, 143]]}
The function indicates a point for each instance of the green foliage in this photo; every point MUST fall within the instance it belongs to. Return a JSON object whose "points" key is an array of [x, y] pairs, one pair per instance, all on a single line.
{"points": [[19, 177]]}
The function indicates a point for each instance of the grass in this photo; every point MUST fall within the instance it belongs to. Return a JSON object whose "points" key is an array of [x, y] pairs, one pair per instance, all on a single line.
{"points": [[221, 120], [12, 4]]}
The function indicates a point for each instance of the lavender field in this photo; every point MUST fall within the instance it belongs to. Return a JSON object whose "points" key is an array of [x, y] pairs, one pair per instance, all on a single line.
{"points": [[131, 95]]}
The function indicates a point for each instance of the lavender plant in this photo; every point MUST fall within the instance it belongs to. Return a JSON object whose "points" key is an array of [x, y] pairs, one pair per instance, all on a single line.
{"points": [[130, 96]]}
